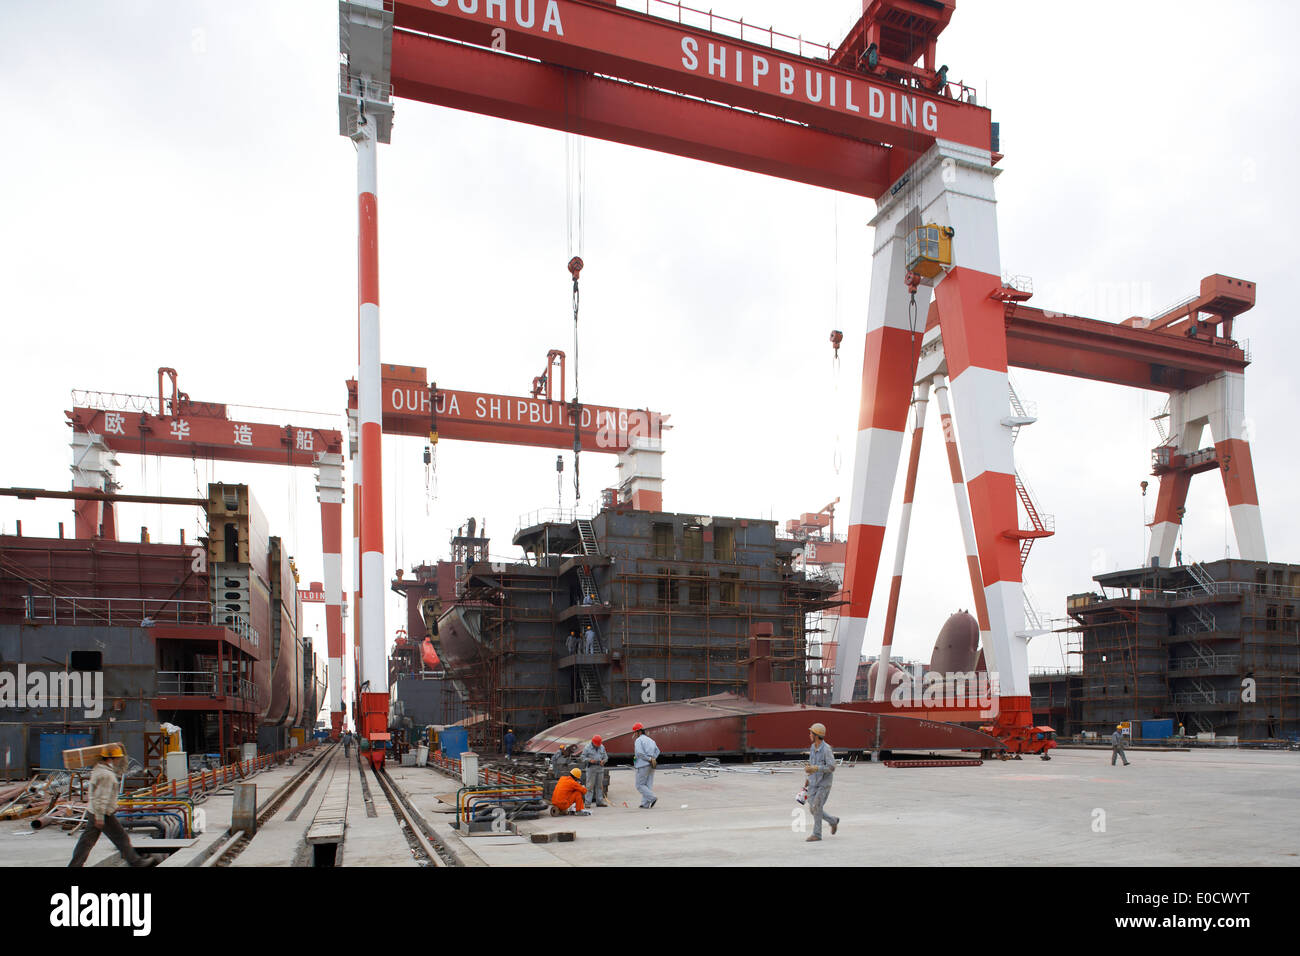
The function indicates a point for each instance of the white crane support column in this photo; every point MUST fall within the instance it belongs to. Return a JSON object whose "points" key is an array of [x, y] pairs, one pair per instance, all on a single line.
{"points": [[357, 602], [1221, 404], [904, 524], [94, 468], [329, 489], [365, 116], [951, 185], [374, 659], [963, 511], [891, 346]]}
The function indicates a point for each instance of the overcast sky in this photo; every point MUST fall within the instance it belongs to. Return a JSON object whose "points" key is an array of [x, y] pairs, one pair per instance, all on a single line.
{"points": [[177, 194]]}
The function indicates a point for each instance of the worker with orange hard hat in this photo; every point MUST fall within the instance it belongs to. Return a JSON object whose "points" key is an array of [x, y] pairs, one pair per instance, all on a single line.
{"points": [[101, 815], [645, 757], [1117, 745], [594, 758], [567, 797], [820, 767]]}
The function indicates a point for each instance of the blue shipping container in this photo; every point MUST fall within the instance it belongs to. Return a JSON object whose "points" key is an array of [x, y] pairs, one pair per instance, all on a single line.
{"points": [[1157, 729], [454, 742], [53, 745]]}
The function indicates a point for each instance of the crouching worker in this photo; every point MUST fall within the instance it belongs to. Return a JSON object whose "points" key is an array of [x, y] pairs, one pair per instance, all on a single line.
{"points": [[568, 794]]}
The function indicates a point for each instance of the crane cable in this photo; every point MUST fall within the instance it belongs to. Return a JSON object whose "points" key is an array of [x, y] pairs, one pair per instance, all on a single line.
{"points": [[575, 267], [837, 456], [431, 451], [575, 156]]}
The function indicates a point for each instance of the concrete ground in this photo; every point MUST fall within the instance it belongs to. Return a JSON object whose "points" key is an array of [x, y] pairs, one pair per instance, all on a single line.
{"points": [[20, 845], [371, 840], [1166, 809], [1225, 808]]}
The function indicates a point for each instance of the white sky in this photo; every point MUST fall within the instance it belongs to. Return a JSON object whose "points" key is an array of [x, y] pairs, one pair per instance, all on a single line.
{"points": [[177, 194]]}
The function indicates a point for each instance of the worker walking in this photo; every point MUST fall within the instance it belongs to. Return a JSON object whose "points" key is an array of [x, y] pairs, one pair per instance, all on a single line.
{"points": [[1117, 745], [568, 794], [101, 816], [820, 767], [594, 759], [589, 641], [510, 743], [347, 745], [571, 642], [645, 758]]}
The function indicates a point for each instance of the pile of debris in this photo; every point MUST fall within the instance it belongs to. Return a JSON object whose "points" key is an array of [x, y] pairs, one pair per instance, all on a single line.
{"points": [[39, 796]]}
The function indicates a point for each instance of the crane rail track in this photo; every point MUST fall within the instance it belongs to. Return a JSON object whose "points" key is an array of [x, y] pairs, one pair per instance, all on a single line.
{"points": [[233, 849], [427, 847]]}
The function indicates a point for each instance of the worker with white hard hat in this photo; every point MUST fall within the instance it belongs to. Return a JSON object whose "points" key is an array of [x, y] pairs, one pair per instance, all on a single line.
{"points": [[820, 767]]}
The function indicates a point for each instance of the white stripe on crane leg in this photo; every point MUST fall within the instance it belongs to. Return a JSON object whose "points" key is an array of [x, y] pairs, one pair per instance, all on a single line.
{"points": [[1164, 536], [986, 442], [1007, 652], [336, 684], [904, 525], [374, 656], [851, 633], [878, 449], [1248, 525]]}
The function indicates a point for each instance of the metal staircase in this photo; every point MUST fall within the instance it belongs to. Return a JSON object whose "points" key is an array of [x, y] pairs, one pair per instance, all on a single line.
{"points": [[588, 676], [1040, 525], [1203, 578]]}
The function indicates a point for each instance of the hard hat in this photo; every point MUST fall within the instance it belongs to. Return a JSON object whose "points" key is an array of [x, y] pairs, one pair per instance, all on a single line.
{"points": [[818, 729], [576, 772], [1119, 726], [112, 750], [596, 740], [637, 726]]}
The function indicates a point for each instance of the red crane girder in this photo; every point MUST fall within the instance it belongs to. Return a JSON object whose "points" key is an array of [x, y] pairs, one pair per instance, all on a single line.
{"points": [[1110, 352], [194, 434], [824, 100], [409, 408], [480, 81]]}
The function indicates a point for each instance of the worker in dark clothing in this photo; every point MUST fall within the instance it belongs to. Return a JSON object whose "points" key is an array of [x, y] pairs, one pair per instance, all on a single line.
{"points": [[594, 757], [101, 815], [1117, 746], [510, 742]]}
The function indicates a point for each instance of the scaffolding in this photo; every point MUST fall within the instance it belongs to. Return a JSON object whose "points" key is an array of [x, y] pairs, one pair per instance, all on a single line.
{"points": [[670, 601], [1215, 648]]}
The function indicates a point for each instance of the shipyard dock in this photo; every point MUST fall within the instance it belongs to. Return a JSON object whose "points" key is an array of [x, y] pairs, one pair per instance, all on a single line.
{"points": [[1166, 809]]}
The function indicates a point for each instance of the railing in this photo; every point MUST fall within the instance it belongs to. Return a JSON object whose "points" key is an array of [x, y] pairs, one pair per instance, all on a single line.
{"points": [[1195, 697], [716, 23], [554, 516], [123, 612], [204, 684], [1207, 662], [132, 612], [749, 33], [367, 89], [1220, 588]]}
